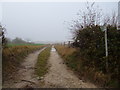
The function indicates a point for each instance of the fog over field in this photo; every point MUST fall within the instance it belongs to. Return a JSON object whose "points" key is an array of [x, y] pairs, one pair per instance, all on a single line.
{"points": [[44, 21]]}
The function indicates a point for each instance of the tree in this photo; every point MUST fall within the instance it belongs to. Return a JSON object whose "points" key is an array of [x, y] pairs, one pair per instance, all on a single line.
{"points": [[2, 36], [18, 41], [89, 38]]}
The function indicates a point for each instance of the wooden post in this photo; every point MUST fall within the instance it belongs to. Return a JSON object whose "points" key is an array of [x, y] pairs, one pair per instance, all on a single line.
{"points": [[64, 43], [69, 44]]}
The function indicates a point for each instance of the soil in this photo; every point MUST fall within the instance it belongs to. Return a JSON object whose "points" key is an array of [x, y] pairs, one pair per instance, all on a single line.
{"points": [[25, 76], [60, 76]]}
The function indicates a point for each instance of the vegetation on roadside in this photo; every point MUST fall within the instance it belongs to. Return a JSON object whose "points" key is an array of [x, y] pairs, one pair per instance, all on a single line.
{"points": [[90, 59], [69, 57], [77, 63], [13, 56], [41, 65], [91, 48], [27, 44]]}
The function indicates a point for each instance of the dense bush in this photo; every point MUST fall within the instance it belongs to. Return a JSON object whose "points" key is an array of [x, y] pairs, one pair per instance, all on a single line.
{"points": [[91, 44]]}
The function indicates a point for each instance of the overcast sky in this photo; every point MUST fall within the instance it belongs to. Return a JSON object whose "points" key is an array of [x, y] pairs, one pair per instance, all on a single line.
{"points": [[44, 21]]}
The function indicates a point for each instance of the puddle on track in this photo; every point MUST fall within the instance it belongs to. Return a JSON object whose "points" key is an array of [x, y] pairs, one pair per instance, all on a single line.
{"points": [[53, 49]]}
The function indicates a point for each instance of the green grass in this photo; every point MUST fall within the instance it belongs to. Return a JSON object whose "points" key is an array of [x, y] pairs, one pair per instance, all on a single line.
{"points": [[27, 44], [41, 65]]}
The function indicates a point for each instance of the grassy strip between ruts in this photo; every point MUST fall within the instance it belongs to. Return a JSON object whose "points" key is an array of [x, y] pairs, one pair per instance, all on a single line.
{"points": [[41, 65]]}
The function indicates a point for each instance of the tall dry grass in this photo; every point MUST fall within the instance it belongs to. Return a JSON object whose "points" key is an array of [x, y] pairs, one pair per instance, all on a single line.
{"points": [[73, 60], [12, 57], [64, 51]]}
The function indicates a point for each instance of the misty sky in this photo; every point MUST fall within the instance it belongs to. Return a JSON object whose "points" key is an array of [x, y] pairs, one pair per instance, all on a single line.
{"points": [[44, 21]]}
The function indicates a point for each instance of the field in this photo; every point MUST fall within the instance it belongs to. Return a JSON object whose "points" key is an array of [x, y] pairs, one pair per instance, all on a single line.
{"points": [[13, 56], [27, 44]]}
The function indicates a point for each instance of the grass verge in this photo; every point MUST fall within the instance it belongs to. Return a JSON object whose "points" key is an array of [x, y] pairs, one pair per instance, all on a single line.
{"points": [[73, 60], [12, 58], [41, 65]]}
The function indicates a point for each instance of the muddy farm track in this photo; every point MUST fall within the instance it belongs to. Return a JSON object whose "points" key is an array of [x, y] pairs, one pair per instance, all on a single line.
{"points": [[58, 76]]}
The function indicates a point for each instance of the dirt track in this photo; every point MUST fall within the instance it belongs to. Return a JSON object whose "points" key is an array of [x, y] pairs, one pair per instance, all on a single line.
{"points": [[59, 76], [26, 76]]}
